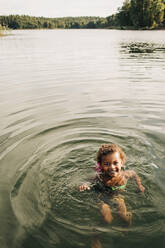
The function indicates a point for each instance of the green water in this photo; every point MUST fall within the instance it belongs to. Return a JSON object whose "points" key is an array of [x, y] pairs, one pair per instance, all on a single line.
{"points": [[62, 94]]}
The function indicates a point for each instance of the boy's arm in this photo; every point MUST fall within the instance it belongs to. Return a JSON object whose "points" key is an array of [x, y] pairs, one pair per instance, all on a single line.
{"points": [[132, 173]]}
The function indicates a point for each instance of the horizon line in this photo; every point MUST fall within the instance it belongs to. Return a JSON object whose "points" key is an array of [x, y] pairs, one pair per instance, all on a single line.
{"points": [[54, 17]]}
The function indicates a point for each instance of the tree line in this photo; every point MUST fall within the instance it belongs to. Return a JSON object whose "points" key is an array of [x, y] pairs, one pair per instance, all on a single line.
{"points": [[139, 14], [31, 22], [133, 13]]}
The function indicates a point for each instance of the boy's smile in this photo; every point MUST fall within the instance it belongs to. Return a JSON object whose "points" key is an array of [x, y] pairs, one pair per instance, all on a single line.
{"points": [[111, 164]]}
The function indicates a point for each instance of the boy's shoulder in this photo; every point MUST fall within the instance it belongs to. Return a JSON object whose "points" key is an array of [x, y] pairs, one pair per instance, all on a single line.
{"points": [[129, 173]]}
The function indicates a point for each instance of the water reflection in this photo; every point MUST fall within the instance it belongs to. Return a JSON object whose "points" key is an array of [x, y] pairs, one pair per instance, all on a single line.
{"points": [[142, 47]]}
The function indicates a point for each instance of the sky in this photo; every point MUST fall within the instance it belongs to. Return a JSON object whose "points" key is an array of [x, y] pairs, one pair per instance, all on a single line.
{"points": [[60, 8]]}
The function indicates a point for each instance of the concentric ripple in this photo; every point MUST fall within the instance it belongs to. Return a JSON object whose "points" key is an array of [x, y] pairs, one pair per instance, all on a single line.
{"points": [[46, 200]]}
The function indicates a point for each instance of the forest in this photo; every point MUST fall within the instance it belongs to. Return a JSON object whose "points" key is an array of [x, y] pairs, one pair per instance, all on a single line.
{"points": [[134, 14], [31, 22], [139, 14]]}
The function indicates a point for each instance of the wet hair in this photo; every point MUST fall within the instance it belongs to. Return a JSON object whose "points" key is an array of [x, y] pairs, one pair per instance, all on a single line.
{"points": [[109, 149]]}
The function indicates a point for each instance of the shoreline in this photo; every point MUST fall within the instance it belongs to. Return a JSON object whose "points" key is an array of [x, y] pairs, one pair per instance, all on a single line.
{"points": [[4, 32], [107, 28]]}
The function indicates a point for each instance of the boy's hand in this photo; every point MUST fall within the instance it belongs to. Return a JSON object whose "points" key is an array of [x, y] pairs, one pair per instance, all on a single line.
{"points": [[141, 188], [84, 187]]}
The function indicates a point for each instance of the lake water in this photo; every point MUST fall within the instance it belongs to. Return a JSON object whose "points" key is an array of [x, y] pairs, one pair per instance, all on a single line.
{"points": [[62, 94]]}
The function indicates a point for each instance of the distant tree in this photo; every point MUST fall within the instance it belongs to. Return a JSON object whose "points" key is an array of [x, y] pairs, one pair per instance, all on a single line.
{"points": [[158, 9], [91, 24], [75, 25], [147, 13], [102, 23], [112, 20], [123, 16]]}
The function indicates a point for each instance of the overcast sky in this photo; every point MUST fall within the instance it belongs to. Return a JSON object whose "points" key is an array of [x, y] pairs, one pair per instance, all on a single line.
{"points": [[60, 8]]}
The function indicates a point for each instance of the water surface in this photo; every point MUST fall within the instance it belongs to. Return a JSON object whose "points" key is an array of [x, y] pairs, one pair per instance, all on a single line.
{"points": [[62, 94]]}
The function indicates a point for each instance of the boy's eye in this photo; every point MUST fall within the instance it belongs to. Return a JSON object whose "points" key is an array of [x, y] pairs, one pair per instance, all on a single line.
{"points": [[115, 163], [107, 164]]}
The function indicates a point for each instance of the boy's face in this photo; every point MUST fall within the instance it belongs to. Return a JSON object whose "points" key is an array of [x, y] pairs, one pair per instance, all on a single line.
{"points": [[111, 164]]}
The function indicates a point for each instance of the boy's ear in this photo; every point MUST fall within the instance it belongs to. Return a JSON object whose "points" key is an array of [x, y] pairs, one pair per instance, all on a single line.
{"points": [[122, 163]]}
